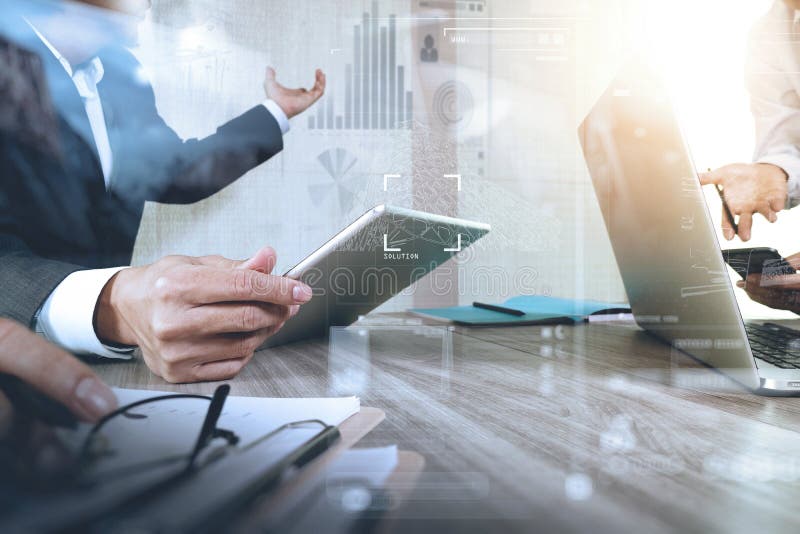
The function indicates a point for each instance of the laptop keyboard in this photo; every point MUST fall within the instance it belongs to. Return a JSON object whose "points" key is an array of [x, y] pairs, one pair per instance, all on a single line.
{"points": [[775, 344]]}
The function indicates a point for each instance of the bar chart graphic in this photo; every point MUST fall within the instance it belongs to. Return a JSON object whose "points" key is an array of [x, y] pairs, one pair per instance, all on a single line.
{"points": [[375, 94]]}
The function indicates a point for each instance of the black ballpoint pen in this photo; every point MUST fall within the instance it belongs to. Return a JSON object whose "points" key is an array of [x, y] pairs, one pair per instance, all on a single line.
{"points": [[728, 213], [500, 309], [726, 209]]}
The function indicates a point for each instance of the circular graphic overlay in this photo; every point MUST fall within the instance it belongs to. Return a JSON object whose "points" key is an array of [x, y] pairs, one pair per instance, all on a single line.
{"points": [[453, 104]]}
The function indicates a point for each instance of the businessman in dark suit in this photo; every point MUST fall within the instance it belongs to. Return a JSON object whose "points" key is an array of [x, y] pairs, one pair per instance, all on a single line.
{"points": [[69, 216], [28, 113]]}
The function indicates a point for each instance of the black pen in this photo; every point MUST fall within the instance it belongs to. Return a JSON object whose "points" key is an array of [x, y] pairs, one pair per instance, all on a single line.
{"points": [[726, 209], [500, 309]]}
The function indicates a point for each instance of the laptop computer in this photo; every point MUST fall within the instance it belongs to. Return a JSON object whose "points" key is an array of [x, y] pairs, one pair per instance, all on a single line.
{"points": [[664, 239]]}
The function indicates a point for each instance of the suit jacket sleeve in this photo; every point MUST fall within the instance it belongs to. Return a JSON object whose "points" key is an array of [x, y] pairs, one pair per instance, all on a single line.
{"points": [[27, 279], [153, 163], [203, 167]]}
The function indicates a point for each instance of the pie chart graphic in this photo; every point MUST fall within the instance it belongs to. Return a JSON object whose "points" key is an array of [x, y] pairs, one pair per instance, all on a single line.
{"points": [[337, 163]]}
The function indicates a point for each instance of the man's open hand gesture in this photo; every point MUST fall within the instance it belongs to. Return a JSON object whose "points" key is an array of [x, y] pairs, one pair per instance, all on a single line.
{"points": [[293, 101]]}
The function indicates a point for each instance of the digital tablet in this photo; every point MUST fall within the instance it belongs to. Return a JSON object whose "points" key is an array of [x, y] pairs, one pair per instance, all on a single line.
{"points": [[376, 257]]}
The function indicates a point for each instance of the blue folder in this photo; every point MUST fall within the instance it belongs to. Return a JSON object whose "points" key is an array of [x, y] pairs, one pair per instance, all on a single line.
{"points": [[537, 310]]}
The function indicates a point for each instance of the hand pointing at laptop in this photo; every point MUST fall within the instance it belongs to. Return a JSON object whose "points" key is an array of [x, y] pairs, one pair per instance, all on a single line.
{"points": [[749, 189]]}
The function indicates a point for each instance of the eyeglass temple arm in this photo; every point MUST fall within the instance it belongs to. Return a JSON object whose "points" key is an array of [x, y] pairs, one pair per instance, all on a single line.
{"points": [[209, 431], [84, 452]]}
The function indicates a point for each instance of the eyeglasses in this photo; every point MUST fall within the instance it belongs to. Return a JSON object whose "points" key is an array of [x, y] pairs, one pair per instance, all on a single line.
{"points": [[98, 446], [134, 445], [151, 450]]}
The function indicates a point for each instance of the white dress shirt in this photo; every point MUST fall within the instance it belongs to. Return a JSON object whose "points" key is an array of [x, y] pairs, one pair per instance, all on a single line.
{"points": [[67, 316], [773, 81]]}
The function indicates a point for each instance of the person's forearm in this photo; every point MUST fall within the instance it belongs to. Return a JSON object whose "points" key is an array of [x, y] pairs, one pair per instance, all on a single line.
{"points": [[774, 101], [195, 169]]}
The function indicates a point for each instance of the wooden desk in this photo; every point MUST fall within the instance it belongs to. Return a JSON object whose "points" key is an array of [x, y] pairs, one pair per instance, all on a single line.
{"points": [[589, 428]]}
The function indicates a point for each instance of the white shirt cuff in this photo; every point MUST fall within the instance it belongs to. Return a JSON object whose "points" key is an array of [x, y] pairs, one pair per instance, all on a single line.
{"points": [[789, 161], [67, 316], [280, 116]]}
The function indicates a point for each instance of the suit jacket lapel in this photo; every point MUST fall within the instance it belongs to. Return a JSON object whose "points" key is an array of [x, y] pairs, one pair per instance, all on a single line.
{"points": [[66, 100]]}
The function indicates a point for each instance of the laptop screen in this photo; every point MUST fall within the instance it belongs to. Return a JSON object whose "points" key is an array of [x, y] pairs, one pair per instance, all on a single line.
{"points": [[659, 226]]}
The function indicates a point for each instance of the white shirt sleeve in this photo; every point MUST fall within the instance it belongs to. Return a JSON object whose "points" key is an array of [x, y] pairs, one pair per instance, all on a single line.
{"points": [[67, 316], [280, 116], [774, 100], [788, 159]]}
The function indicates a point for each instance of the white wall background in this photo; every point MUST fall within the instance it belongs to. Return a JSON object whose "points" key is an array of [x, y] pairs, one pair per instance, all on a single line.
{"points": [[519, 149]]}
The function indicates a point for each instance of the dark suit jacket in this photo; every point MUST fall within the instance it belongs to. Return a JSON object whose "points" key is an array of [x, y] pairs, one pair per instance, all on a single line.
{"points": [[56, 215]]}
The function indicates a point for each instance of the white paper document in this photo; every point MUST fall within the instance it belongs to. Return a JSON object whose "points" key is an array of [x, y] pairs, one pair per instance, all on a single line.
{"points": [[170, 428], [250, 417]]}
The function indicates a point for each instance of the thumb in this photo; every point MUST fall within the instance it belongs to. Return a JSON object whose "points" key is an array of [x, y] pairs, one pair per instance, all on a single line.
{"points": [[710, 177], [54, 373], [262, 261], [794, 260], [270, 75]]}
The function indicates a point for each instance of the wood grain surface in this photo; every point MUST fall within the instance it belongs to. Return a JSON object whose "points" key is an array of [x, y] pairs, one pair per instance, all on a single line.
{"points": [[572, 429]]}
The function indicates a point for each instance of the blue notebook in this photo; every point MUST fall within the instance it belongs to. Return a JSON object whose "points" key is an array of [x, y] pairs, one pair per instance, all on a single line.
{"points": [[537, 311]]}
